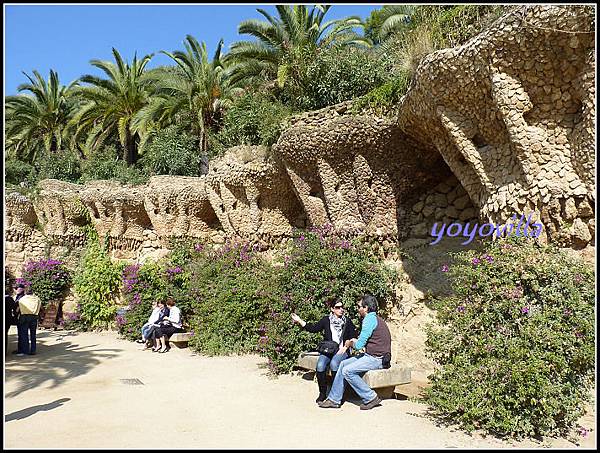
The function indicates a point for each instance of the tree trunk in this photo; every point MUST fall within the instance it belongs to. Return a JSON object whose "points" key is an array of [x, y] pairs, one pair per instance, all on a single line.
{"points": [[130, 153]]}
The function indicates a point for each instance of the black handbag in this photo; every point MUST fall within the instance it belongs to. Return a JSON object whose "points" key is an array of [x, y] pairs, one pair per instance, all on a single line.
{"points": [[330, 347]]}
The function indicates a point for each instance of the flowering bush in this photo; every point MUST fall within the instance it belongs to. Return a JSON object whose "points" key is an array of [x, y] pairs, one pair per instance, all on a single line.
{"points": [[97, 284], [47, 278], [230, 291], [317, 266], [515, 342], [142, 286]]}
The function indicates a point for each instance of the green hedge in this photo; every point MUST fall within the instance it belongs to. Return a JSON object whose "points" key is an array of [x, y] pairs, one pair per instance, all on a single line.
{"points": [[515, 342]]}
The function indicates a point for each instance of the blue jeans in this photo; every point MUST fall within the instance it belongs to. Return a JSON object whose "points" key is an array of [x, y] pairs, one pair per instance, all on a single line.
{"points": [[351, 370], [334, 362], [27, 323], [145, 330]]}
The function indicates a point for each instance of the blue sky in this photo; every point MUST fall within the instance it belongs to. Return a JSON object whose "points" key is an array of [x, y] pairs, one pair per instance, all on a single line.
{"points": [[66, 37]]}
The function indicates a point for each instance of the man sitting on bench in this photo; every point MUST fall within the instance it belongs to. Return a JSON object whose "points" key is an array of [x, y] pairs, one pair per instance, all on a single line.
{"points": [[375, 337]]}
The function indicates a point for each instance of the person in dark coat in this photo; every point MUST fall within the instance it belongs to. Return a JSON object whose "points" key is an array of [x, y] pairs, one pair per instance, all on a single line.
{"points": [[10, 315], [335, 327]]}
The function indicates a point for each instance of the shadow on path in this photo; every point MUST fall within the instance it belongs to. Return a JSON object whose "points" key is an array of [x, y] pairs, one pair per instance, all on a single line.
{"points": [[24, 413], [57, 360]]}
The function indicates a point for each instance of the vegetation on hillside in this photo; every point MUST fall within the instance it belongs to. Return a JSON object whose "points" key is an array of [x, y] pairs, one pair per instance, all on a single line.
{"points": [[121, 125]]}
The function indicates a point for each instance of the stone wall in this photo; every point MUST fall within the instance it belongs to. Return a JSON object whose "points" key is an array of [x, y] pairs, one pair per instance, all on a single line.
{"points": [[512, 114], [501, 125]]}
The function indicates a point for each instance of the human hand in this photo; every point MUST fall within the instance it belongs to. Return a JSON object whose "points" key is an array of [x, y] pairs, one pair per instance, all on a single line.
{"points": [[341, 350]]}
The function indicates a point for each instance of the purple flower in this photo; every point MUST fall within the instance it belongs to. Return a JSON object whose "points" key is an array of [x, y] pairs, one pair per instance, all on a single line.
{"points": [[199, 247], [460, 308], [445, 268], [568, 312], [578, 334], [488, 258], [525, 310], [578, 278], [583, 431], [476, 261]]}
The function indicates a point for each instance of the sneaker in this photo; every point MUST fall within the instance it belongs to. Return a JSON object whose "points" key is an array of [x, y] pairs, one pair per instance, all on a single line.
{"points": [[140, 341], [371, 404], [329, 404], [20, 354]]}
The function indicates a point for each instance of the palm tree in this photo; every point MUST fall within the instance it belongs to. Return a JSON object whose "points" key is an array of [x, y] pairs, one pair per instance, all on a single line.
{"points": [[284, 43], [109, 105], [193, 93], [38, 122], [388, 21]]}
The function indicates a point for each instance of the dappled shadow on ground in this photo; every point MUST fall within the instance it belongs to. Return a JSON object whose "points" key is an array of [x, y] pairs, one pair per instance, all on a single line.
{"points": [[57, 360], [24, 413]]}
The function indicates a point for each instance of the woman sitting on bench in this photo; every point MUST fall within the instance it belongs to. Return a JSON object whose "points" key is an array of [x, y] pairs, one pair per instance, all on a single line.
{"points": [[336, 328], [168, 326]]}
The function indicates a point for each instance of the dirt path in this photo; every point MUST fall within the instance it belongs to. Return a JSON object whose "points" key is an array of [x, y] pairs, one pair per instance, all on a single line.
{"points": [[70, 395]]}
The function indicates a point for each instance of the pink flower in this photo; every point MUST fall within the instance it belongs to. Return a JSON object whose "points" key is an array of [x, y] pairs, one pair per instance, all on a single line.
{"points": [[445, 268], [525, 310], [476, 261]]}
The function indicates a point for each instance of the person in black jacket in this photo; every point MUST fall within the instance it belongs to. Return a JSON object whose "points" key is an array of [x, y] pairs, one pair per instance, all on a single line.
{"points": [[10, 315], [335, 327]]}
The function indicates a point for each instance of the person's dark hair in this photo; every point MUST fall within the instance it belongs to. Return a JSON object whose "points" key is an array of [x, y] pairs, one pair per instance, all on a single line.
{"points": [[333, 301], [369, 301], [170, 301]]}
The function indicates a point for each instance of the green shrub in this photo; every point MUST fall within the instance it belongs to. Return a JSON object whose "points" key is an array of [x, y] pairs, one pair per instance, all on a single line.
{"points": [[317, 266], [253, 119], [63, 165], [515, 342], [17, 172], [46, 278], [172, 151], [338, 74], [385, 97], [97, 283], [106, 164], [454, 25], [230, 292]]}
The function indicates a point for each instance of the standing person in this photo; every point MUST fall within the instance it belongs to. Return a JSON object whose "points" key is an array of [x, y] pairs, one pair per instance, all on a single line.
{"points": [[20, 292], [10, 315], [29, 308], [336, 327], [375, 337], [168, 326]]}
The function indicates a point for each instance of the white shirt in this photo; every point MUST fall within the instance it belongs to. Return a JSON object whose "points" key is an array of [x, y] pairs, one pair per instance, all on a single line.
{"points": [[174, 316], [154, 316]]}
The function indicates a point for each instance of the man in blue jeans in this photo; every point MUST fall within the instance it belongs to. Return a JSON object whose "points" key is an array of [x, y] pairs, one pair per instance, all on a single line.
{"points": [[29, 307], [375, 337]]}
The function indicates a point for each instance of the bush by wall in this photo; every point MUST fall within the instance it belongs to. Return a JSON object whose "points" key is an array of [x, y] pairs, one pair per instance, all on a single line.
{"points": [[17, 172], [46, 278], [515, 343], [144, 285], [172, 151], [317, 266], [63, 165], [253, 119], [230, 291], [105, 164], [97, 283]]}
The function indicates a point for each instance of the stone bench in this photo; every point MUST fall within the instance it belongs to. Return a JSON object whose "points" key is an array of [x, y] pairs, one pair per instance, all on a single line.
{"points": [[180, 339], [382, 381]]}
